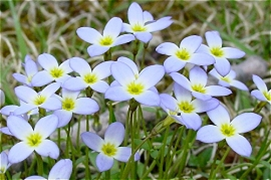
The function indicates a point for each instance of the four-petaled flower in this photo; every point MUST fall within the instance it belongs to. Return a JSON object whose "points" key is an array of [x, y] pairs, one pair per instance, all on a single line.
{"points": [[52, 71], [108, 147], [103, 42], [184, 109], [142, 23], [32, 140], [4, 163], [131, 84], [61, 170], [186, 53], [221, 54], [197, 84], [262, 92], [229, 130]]}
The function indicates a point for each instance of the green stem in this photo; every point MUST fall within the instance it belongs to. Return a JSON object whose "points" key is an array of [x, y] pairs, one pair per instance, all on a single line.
{"points": [[2, 176], [149, 170], [87, 151], [40, 164], [107, 174], [162, 152], [259, 106], [108, 55], [142, 62]]}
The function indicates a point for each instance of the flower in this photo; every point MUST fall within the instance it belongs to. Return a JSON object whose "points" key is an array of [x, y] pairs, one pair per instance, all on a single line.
{"points": [[108, 148], [186, 53], [184, 109], [229, 130], [103, 42], [88, 77], [131, 84], [43, 99], [142, 23], [61, 170], [32, 140], [221, 54], [31, 68], [228, 80], [197, 84], [4, 163], [52, 71], [261, 93], [72, 104]]}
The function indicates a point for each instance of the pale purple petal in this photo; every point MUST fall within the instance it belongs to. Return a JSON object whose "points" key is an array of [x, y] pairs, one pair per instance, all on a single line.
{"points": [[104, 162], [103, 70], [239, 85], [19, 127], [213, 39], [246, 122], [135, 14], [65, 66], [148, 98], [25, 108], [113, 27], [114, 133], [92, 140], [51, 104], [123, 39], [209, 134], [203, 97], [88, 34], [203, 49], [86, 106], [35, 178], [204, 106], [168, 102], [233, 53], [64, 117], [191, 43], [19, 152], [61, 170], [159, 24], [48, 148], [79, 65], [123, 154], [191, 121], [222, 66], [47, 61], [127, 28], [6, 110], [258, 94], [198, 76], [202, 59], [6, 131], [167, 48], [122, 73], [143, 36], [46, 125], [215, 90], [147, 16], [62, 79], [20, 78], [30, 67], [117, 93], [181, 93], [173, 64], [259, 83], [4, 162], [96, 50], [100, 86], [219, 115], [25, 93], [50, 89], [151, 75], [130, 63], [41, 78], [75, 84], [240, 145], [181, 80]]}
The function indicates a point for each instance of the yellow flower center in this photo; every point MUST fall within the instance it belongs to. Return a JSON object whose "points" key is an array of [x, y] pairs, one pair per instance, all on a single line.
{"points": [[226, 79], [34, 140], [68, 104], [109, 149], [138, 28], [199, 88], [135, 88], [227, 130], [186, 107], [217, 52], [90, 78], [106, 41], [267, 95], [39, 100], [183, 54], [56, 72]]}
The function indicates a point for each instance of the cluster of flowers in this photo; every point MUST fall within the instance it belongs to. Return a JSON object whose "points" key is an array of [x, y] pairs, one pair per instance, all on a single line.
{"points": [[40, 93]]}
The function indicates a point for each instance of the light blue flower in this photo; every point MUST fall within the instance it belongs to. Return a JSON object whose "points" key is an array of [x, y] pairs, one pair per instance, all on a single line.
{"points": [[4, 163], [262, 93]]}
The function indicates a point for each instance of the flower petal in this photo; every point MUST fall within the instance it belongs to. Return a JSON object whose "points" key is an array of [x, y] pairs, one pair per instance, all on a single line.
{"points": [[117, 93], [113, 27], [123, 154], [64, 117], [96, 50], [204, 106], [47, 61], [25, 93], [123, 39], [103, 70], [191, 121], [167, 48], [219, 115], [259, 83], [61, 170], [191, 43], [49, 90], [198, 76], [41, 78], [51, 104], [202, 59], [130, 63], [30, 66], [181, 80], [222, 66], [233, 53], [89, 35], [246, 122], [19, 152], [173, 64], [86, 106], [100, 86], [104, 162], [20, 78], [213, 39], [240, 145], [115, 133], [135, 14], [209, 134], [46, 125], [122, 73], [258, 94], [48, 148], [168, 102], [215, 90], [79, 65], [69, 84], [92, 140], [239, 85], [151, 75], [158, 25], [148, 98], [143, 36], [19, 127], [181, 93], [35, 178]]}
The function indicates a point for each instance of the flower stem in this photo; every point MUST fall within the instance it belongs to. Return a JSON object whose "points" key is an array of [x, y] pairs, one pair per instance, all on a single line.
{"points": [[40, 164], [259, 106]]}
